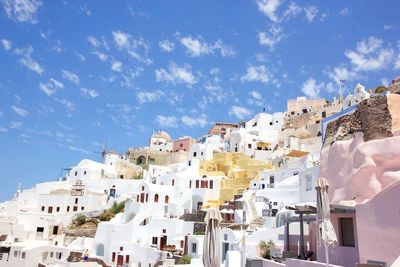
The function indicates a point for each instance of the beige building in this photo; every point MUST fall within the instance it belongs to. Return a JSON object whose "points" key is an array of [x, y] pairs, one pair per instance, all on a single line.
{"points": [[144, 157], [303, 105]]}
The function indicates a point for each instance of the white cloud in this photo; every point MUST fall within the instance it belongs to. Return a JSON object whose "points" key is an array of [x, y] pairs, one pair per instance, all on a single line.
{"points": [[81, 57], [100, 55], [72, 77], [89, 92], [240, 112], [22, 10], [384, 81], [93, 41], [136, 48], [167, 121], [16, 125], [116, 66], [70, 106], [370, 55], [176, 75], [269, 7], [388, 27], [166, 45], [256, 99], [311, 88], [27, 60], [272, 37], [193, 121], [344, 12], [292, 11], [342, 73], [397, 63], [6, 44], [196, 47], [51, 86], [311, 12], [257, 73], [3, 130], [149, 96], [20, 111]]}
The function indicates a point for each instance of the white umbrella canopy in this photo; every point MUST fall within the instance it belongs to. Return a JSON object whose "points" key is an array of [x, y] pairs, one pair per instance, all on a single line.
{"points": [[326, 233], [212, 244]]}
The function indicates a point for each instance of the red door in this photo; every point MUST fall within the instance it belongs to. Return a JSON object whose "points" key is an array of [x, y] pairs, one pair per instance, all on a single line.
{"points": [[120, 260]]}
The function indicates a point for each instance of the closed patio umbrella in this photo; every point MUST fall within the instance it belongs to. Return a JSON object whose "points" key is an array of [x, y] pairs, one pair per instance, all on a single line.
{"points": [[212, 245], [326, 233]]}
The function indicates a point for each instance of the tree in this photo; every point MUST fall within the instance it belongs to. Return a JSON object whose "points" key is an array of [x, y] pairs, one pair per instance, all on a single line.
{"points": [[266, 248]]}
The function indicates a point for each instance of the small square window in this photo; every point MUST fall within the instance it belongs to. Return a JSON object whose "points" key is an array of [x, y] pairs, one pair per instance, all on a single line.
{"points": [[43, 208]]}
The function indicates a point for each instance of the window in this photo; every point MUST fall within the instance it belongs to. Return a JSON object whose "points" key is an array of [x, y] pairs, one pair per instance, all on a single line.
{"points": [[40, 229], [16, 253], [173, 182], [51, 254], [58, 255], [275, 203], [23, 255], [249, 145], [43, 208], [147, 197], [76, 173], [67, 208], [180, 145], [272, 179], [121, 248], [55, 230], [194, 154], [58, 209], [156, 198], [127, 258], [121, 176], [113, 257], [346, 232], [202, 153], [76, 200], [211, 184], [82, 208], [154, 241], [166, 199], [189, 163], [194, 248], [182, 243], [75, 208], [84, 173], [190, 184], [225, 237], [164, 231], [197, 183], [308, 182]]}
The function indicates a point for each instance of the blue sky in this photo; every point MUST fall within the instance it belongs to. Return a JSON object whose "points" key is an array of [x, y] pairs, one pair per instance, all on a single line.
{"points": [[74, 74]]}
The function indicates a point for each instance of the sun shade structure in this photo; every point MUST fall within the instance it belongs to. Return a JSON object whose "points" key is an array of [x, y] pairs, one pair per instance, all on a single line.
{"points": [[211, 248], [326, 233]]}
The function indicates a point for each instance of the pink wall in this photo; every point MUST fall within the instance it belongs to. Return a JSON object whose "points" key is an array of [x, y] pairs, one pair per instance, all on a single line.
{"points": [[378, 226], [358, 170], [340, 255], [182, 144]]}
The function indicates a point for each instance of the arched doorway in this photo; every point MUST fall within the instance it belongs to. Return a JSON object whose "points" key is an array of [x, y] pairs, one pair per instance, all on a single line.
{"points": [[141, 160]]}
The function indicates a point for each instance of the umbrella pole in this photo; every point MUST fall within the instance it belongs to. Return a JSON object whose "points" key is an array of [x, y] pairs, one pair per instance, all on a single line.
{"points": [[326, 255]]}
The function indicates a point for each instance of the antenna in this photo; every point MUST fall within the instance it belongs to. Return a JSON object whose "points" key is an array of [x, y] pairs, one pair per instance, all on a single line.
{"points": [[103, 151], [341, 83]]}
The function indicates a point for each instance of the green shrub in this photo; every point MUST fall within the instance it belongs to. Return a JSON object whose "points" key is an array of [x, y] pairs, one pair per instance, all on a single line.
{"points": [[380, 89], [80, 219], [117, 207], [185, 259], [106, 216]]}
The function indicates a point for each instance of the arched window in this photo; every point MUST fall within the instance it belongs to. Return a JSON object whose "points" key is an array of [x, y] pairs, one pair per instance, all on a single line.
{"points": [[156, 198], [166, 199]]}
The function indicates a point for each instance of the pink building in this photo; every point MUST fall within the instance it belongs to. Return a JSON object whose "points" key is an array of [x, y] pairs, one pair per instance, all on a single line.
{"points": [[183, 144]]}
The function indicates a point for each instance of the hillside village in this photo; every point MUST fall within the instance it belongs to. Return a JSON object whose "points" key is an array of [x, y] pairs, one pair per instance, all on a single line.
{"points": [[146, 207]]}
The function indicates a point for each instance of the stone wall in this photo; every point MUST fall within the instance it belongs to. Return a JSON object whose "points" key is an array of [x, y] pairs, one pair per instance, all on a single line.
{"points": [[372, 118]]}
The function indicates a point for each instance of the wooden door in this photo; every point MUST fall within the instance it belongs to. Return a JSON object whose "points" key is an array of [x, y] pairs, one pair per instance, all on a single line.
{"points": [[163, 242], [120, 260]]}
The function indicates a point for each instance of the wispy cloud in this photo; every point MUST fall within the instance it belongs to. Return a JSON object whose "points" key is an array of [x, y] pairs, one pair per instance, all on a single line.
{"points": [[6, 44], [51, 86], [136, 48], [70, 106], [149, 96], [311, 12], [196, 47], [166, 46], [167, 121], [344, 12], [116, 65], [370, 55], [72, 77], [199, 121], [89, 92], [240, 112], [22, 10], [272, 37], [269, 8], [257, 73], [20, 111], [16, 125], [311, 88], [176, 75], [27, 60]]}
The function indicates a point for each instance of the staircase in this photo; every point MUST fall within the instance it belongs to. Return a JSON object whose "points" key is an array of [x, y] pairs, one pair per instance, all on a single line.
{"points": [[256, 221]]}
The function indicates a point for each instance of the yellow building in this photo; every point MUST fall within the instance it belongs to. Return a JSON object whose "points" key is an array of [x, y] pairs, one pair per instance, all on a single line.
{"points": [[238, 170]]}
